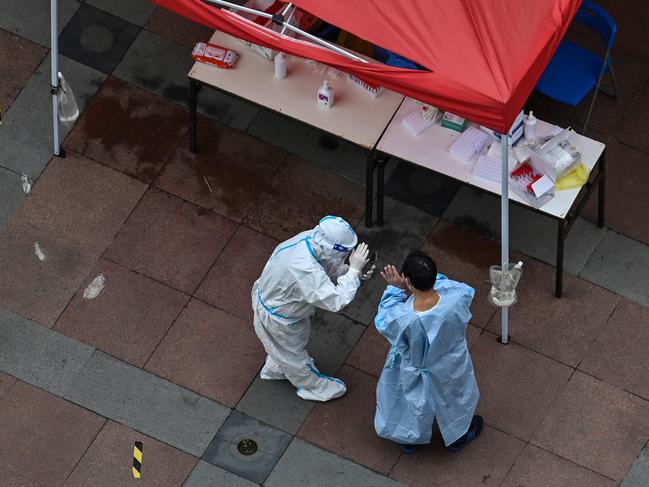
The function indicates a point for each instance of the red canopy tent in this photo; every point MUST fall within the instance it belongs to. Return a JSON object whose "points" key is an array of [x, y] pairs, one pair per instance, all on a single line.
{"points": [[484, 56]]}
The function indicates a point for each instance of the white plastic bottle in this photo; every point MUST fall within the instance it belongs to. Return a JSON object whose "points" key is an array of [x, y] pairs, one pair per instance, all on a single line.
{"points": [[530, 127], [280, 66], [326, 95]]}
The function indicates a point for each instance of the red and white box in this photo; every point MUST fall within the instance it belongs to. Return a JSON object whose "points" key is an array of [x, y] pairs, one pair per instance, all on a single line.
{"points": [[212, 54]]}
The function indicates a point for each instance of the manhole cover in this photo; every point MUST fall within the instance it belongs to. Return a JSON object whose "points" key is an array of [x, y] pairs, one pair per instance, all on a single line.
{"points": [[247, 447], [96, 38]]}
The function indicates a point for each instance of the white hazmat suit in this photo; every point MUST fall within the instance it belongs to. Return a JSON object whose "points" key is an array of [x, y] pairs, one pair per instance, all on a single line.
{"points": [[304, 273]]}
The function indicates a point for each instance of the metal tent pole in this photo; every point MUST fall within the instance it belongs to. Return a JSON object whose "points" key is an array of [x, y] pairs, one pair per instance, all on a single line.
{"points": [[280, 20], [54, 81], [504, 219]]}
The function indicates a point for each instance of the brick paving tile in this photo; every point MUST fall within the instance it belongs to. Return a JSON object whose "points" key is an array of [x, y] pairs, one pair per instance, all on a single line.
{"points": [[39, 289], [79, 200], [560, 328], [128, 318], [108, 461], [300, 195], [170, 240], [176, 28], [633, 129], [210, 352], [619, 356], [6, 383], [237, 167], [18, 58], [129, 129], [346, 426], [596, 425], [517, 386], [43, 436], [626, 201], [229, 282], [631, 32], [539, 468], [12, 479], [485, 462], [464, 256]]}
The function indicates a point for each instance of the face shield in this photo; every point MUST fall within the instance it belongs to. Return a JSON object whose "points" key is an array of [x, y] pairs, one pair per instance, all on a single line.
{"points": [[333, 241]]}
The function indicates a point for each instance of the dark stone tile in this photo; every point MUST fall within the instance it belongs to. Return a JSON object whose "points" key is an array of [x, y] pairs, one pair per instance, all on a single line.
{"points": [[210, 352], [638, 476], [44, 436], [11, 194], [129, 130], [12, 479], [596, 425], [485, 462], [517, 386], [538, 468], [39, 289], [31, 18], [176, 28], [208, 475], [631, 18], [299, 196], [619, 356], [633, 129], [96, 38], [224, 450], [106, 462], [426, 190], [237, 168], [18, 58], [135, 11], [80, 201], [146, 403], [129, 317], [229, 283], [170, 240], [346, 426], [561, 328]]}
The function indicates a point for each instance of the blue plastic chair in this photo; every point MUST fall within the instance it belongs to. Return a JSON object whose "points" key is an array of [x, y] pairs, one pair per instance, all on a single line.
{"points": [[574, 70]]}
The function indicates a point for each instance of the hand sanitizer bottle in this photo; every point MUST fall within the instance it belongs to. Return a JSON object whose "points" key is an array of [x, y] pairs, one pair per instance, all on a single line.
{"points": [[280, 66], [326, 95], [530, 127]]}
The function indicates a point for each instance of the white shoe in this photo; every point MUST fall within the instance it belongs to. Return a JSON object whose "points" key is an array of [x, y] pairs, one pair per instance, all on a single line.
{"points": [[329, 388], [267, 373]]}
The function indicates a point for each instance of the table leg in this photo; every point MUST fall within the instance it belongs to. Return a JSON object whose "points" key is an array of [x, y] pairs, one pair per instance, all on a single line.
{"points": [[560, 243], [601, 206], [369, 188], [193, 91], [380, 185]]}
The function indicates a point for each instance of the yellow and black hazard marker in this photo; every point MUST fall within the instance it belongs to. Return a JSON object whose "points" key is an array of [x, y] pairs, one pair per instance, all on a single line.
{"points": [[137, 459]]}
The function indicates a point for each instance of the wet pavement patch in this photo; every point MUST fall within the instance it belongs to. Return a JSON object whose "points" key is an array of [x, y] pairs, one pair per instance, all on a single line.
{"points": [[247, 447], [97, 39]]}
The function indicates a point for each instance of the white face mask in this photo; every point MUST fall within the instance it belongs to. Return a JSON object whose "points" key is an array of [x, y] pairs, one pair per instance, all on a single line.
{"points": [[333, 265]]}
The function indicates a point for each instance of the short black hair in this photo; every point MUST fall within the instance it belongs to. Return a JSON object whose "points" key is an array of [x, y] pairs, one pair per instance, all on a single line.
{"points": [[420, 269]]}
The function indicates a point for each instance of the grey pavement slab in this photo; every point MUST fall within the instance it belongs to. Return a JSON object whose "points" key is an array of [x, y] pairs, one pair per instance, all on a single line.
{"points": [[26, 130], [332, 154], [247, 447], [620, 264], [405, 229], [530, 232], [38, 355], [147, 403], [305, 464], [96, 38], [31, 18], [11, 194], [638, 476], [275, 402], [135, 11], [161, 66], [208, 475]]}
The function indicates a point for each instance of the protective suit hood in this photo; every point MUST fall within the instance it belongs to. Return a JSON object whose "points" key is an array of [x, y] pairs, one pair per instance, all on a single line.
{"points": [[333, 240]]}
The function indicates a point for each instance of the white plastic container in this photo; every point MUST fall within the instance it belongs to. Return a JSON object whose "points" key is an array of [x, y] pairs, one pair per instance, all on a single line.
{"points": [[280, 66], [530, 127], [326, 95]]}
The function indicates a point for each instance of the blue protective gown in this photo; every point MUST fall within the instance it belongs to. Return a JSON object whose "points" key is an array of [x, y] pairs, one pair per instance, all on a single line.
{"points": [[428, 373]]}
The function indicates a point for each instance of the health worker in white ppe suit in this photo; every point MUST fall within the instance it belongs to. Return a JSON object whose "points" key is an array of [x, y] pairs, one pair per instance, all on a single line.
{"points": [[306, 272]]}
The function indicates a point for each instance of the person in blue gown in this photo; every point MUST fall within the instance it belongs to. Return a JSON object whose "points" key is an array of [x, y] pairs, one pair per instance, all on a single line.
{"points": [[428, 374]]}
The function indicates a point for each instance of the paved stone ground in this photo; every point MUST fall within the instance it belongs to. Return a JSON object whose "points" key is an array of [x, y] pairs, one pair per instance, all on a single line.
{"points": [[166, 354]]}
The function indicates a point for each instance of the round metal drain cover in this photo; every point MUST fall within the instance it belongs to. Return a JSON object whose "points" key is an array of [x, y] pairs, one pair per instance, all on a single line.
{"points": [[247, 447], [96, 38]]}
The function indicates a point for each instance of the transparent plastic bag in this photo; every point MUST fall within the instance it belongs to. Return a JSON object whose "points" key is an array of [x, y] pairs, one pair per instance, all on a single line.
{"points": [[68, 108], [503, 284]]}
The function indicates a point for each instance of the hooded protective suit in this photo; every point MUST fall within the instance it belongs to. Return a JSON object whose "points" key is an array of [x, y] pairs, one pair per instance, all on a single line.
{"points": [[428, 373], [305, 272]]}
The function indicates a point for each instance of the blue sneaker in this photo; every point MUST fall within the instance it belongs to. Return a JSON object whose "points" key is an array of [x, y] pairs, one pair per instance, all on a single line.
{"points": [[474, 431], [408, 449]]}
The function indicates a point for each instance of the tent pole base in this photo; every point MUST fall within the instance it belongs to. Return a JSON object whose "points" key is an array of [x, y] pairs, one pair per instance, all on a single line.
{"points": [[500, 339]]}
